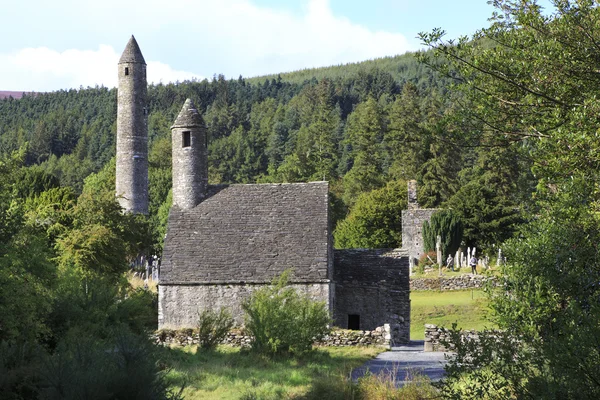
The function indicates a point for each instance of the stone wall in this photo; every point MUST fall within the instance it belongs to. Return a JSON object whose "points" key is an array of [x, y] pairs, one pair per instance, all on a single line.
{"points": [[458, 282], [435, 335], [179, 304], [412, 231], [380, 336], [372, 287]]}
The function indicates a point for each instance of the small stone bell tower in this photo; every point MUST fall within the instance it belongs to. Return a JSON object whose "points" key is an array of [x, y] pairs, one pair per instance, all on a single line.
{"points": [[132, 131], [190, 163]]}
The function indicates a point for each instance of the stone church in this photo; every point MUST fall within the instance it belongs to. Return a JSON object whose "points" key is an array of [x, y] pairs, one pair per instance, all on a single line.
{"points": [[224, 241]]}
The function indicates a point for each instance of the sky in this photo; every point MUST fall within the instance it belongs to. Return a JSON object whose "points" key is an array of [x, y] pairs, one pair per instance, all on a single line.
{"points": [[63, 44]]}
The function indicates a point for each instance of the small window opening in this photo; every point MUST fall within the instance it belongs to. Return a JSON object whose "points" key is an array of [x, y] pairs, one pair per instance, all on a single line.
{"points": [[187, 139], [353, 322], [126, 71]]}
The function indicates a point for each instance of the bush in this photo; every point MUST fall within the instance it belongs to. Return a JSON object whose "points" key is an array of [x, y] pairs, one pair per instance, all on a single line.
{"points": [[426, 260], [282, 320], [213, 327]]}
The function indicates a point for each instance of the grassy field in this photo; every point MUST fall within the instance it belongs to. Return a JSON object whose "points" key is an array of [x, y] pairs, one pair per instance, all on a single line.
{"points": [[466, 307], [230, 373]]}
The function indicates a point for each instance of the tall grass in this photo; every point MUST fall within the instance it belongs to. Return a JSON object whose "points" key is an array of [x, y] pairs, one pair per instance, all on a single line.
{"points": [[383, 386], [232, 373], [137, 282]]}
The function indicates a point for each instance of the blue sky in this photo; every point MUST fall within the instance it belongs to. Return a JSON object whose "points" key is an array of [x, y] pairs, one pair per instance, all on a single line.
{"points": [[71, 43]]}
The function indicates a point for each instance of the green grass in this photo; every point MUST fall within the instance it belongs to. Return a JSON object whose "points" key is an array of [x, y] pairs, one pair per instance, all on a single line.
{"points": [[231, 373], [465, 307]]}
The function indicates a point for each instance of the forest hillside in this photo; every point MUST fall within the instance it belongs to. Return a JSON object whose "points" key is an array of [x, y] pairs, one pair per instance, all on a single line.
{"points": [[360, 126]]}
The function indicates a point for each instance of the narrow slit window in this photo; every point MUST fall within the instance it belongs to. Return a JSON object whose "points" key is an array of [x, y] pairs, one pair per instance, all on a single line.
{"points": [[187, 139], [126, 71], [354, 322]]}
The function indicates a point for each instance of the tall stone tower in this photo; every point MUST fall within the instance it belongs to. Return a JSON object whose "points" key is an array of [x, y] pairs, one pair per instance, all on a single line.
{"points": [[190, 163], [132, 131]]}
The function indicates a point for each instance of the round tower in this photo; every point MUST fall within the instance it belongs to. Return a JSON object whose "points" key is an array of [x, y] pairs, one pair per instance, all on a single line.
{"points": [[132, 131], [190, 157]]}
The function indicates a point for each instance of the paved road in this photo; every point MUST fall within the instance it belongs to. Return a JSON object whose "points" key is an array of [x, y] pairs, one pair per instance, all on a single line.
{"points": [[404, 360]]}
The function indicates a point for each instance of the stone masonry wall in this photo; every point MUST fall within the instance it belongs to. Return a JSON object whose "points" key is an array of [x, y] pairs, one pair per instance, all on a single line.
{"points": [[435, 335], [190, 163], [179, 304], [380, 336], [132, 132], [458, 282], [374, 285], [412, 230]]}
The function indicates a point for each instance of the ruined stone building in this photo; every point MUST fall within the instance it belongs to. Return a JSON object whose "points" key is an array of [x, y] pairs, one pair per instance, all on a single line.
{"points": [[412, 225], [224, 241]]}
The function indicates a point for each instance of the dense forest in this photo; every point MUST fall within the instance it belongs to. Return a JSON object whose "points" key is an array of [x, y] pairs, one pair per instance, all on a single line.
{"points": [[360, 126]]}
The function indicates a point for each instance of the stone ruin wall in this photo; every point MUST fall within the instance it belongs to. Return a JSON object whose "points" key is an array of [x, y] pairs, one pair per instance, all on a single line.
{"points": [[180, 304], [379, 337], [412, 225], [412, 231], [437, 336], [459, 282], [374, 285]]}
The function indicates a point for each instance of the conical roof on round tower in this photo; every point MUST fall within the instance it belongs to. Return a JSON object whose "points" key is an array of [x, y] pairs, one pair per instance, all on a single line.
{"points": [[188, 116], [132, 53]]}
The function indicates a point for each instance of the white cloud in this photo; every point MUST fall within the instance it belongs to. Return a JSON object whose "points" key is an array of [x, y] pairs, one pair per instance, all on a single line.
{"points": [[206, 37], [43, 69], [258, 40]]}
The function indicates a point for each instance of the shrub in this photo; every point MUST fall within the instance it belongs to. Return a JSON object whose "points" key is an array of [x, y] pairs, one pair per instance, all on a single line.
{"points": [[213, 327], [427, 259], [282, 320]]}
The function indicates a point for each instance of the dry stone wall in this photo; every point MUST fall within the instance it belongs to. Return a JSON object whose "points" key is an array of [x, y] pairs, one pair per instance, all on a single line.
{"points": [[435, 336], [380, 336], [458, 282]]}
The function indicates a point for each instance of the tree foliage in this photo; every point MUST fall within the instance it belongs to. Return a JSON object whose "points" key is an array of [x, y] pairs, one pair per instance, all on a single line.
{"points": [[375, 220], [528, 82], [447, 225]]}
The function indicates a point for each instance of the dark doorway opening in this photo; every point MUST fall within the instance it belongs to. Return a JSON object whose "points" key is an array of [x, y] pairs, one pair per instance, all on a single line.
{"points": [[354, 322]]}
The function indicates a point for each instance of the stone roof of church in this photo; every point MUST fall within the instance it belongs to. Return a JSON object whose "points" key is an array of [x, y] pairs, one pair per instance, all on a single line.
{"points": [[132, 53], [250, 233], [188, 116]]}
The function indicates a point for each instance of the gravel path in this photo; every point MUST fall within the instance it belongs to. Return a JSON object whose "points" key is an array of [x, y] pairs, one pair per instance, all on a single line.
{"points": [[404, 360]]}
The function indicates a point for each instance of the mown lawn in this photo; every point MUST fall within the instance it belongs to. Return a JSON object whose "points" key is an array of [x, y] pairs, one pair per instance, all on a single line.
{"points": [[465, 307], [231, 373]]}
